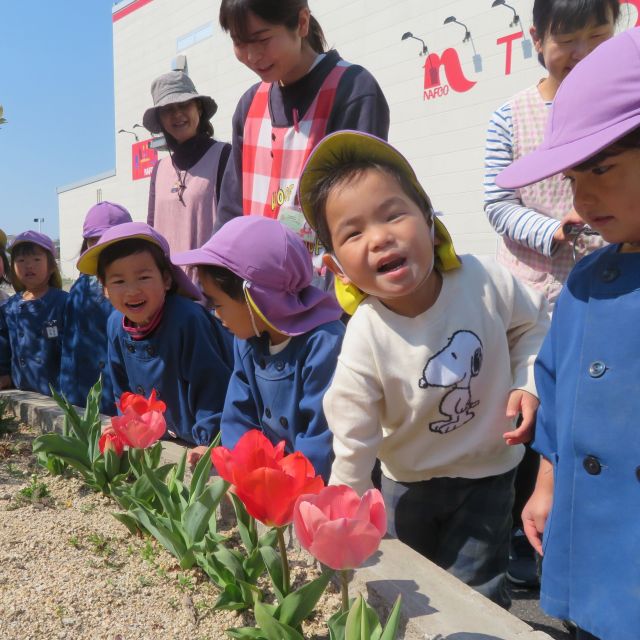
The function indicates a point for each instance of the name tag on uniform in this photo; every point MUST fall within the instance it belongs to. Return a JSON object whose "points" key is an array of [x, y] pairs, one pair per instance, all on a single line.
{"points": [[51, 330]]}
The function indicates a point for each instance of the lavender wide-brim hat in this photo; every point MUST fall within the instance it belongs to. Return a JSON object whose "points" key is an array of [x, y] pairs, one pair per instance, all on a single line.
{"points": [[44, 241], [103, 216], [276, 266], [596, 104], [88, 261], [172, 88]]}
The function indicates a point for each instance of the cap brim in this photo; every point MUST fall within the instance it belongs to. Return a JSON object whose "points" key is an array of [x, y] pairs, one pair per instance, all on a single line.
{"points": [[88, 263], [195, 257], [343, 147], [545, 162]]}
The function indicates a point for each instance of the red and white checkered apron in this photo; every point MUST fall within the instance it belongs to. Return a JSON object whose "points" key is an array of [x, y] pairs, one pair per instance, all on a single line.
{"points": [[273, 157]]}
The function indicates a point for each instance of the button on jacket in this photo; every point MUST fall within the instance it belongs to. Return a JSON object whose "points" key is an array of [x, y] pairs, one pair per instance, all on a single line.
{"points": [[281, 394], [187, 360], [588, 426], [31, 339], [84, 344]]}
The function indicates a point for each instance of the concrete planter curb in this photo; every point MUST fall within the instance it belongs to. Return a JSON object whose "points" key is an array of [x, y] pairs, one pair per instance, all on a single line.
{"points": [[435, 605]]}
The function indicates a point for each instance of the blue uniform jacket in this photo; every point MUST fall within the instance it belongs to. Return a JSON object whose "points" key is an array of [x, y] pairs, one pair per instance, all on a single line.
{"points": [[282, 394], [31, 340], [588, 426], [84, 344], [187, 360]]}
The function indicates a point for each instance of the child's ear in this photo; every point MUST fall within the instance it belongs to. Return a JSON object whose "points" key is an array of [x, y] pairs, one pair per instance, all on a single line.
{"points": [[167, 280], [332, 264], [105, 292], [537, 41]]}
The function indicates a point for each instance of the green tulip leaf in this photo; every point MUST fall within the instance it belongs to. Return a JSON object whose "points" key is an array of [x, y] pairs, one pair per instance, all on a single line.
{"points": [[299, 605], [128, 521], [272, 628], [245, 633], [70, 449], [273, 563], [162, 493], [73, 424], [362, 622], [246, 524], [111, 463], [197, 515], [155, 526], [391, 628], [231, 599], [336, 624], [200, 475]]}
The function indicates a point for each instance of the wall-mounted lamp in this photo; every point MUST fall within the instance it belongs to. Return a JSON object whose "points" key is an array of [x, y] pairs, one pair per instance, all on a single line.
{"points": [[133, 133], [477, 59], [467, 33], [502, 3], [527, 46], [408, 34]]}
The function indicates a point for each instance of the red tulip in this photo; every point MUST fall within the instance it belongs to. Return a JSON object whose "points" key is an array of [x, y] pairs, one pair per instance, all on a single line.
{"points": [[267, 481], [139, 431], [339, 528], [111, 440], [139, 404]]}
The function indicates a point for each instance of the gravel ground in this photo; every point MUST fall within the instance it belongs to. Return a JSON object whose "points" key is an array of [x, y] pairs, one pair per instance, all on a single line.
{"points": [[71, 571]]}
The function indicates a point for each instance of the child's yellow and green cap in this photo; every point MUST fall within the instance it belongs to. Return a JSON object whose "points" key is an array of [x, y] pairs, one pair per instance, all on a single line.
{"points": [[347, 147]]}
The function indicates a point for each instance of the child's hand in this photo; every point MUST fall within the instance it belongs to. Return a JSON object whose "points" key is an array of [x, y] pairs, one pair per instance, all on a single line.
{"points": [[193, 455], [6, 382], [526, 404], [534, 517], [538, 507]]}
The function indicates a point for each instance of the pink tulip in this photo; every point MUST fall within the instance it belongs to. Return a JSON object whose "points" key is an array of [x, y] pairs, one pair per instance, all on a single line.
{"points": [[338, 528], [139, 430]]}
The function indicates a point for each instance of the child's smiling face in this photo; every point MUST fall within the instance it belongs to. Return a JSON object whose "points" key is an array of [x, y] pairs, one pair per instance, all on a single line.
{"points": [[383, 242], [136, 287], [607, 196], [33, 269]]}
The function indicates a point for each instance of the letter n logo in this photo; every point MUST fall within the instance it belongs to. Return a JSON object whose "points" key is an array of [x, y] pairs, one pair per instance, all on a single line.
{"points": [[451, 63]]}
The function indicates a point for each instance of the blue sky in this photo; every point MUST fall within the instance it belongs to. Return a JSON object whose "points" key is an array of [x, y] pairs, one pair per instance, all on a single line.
{"points": [[56, 87]]}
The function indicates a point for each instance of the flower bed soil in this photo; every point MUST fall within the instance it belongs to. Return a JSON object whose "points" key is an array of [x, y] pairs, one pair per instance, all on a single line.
{"points": [[69, 570]]}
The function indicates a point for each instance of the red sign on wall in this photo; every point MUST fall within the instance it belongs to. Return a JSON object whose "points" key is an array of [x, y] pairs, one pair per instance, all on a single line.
{"points": [[143, 159]]}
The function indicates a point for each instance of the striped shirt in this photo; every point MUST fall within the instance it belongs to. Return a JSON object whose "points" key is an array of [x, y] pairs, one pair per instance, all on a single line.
{"points": [[504, 208]]}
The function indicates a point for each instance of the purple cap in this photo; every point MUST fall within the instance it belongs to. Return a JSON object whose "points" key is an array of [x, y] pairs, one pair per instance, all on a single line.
{"points": [[43, 241], [36, 237], [103, 216], [276, 265], [596, 104], [88, 261]]}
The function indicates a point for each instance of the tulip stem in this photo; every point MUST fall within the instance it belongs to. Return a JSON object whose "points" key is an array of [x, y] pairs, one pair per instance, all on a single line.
{"points": [[344, 582], [285, 561]]}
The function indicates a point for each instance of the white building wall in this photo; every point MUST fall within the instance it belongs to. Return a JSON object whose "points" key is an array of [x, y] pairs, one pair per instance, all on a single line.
{"points": [[442, 136]]}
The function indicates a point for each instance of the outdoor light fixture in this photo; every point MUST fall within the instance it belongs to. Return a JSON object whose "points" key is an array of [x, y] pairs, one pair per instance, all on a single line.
{"points": [[39, 221], [527, 47], [467, 33], [502, 3], [477, 58], [408, 34], [133, 133]]}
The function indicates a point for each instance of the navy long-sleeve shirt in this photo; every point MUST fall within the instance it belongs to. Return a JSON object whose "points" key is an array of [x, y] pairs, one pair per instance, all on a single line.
{"points": [[31, 340], [281, 394], [187, 360], [84, 344]]}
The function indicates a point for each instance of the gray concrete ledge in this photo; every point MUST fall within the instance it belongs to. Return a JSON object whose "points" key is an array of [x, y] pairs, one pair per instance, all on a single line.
{"points": [[435, 605]]}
